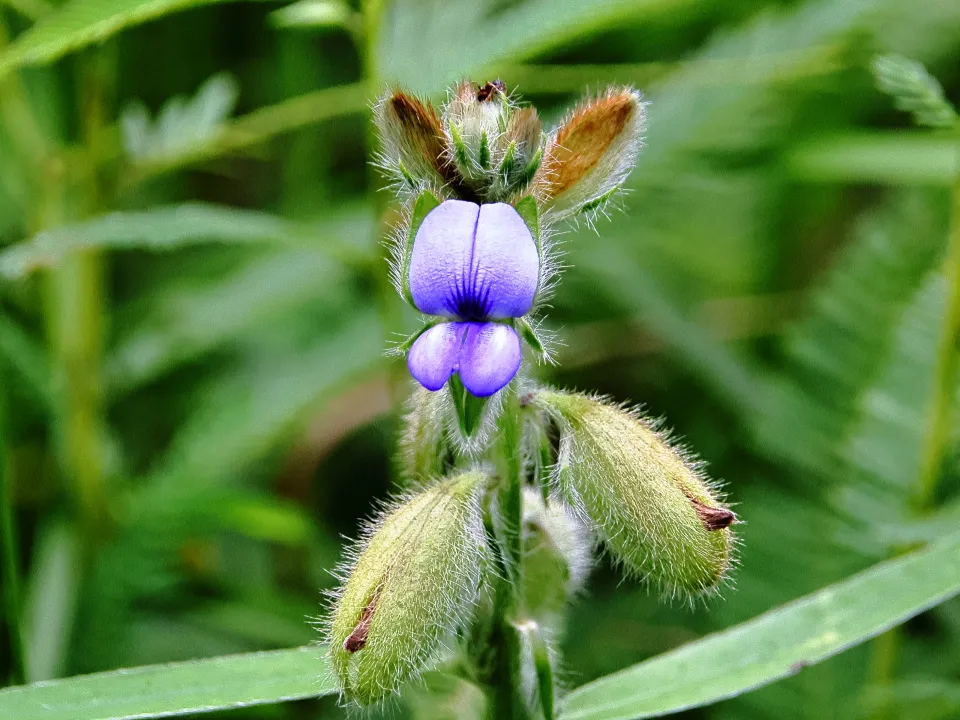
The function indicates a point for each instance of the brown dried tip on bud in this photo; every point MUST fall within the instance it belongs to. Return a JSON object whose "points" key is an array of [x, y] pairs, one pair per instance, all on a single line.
{"points": [[590, 155], [713, 518], [413, 140]]}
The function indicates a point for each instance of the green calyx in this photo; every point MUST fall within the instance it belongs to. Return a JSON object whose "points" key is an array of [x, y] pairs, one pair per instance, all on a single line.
{"points": [[415, 580]]}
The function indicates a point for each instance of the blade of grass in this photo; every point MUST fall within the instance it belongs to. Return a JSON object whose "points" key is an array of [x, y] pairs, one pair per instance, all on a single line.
{"points": [[892, 158], [231, 681], [776, 644]]}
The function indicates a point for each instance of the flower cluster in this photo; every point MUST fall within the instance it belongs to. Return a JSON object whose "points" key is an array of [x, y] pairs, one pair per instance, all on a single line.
{"points": [[472, 571], [484, 187]]}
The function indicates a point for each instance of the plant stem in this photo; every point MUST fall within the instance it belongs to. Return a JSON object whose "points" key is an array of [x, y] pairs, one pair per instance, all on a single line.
{"points": [[10, 569], [506, 642], [946, 371], [886, 647]]}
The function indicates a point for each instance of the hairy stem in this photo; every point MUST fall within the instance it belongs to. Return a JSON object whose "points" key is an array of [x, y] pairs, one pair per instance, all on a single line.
{"points": [[508, 699]]}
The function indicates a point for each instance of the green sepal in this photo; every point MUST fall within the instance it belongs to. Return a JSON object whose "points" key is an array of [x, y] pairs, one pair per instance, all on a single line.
{"points": [[529, 335], [531, 169], [526, 208], [425, 202], [404, 347], [542, 665], [407, 177], [600, 201], [459, 147], [483, 154], [509, 162], [469, 407], [544, 464]]}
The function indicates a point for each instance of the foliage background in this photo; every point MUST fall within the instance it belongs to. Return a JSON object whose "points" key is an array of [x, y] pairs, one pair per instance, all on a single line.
{"points": [[196, 404]]}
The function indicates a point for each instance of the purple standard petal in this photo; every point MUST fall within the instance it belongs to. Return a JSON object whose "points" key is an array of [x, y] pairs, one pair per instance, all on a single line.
{"points": [[489, 358], [441, 250], [474, 262], [505, 265], [435, 354]]}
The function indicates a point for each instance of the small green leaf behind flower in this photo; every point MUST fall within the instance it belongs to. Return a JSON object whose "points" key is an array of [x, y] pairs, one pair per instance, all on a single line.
{"points": [[914, 90], [414, 580], [652, 505]]}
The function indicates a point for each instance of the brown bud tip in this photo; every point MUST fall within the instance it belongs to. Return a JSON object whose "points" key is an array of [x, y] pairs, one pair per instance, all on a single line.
{"points": [[357, 640], [411, 131], [592, 152], [714, 518]]}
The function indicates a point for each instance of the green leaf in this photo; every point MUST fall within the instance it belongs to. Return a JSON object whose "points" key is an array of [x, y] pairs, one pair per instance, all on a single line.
{"points": [[183, 124], [914, 90], [480, 34], [84, 22], [27, 359], [51, 600], [315, 14], [161, 228], [892, 158], [776, 644], [231, 681]]}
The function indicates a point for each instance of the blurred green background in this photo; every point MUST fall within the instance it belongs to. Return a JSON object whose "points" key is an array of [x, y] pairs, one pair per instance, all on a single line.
{"points": [[196, 404]]}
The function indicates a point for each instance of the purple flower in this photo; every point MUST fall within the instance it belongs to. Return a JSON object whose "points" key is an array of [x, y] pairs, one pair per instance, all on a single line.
{"points": [[475, 265]]}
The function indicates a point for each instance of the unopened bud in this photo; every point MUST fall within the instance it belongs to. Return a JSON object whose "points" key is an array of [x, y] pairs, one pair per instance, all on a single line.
{"points": [[424, 451], [414, 149], [415, 579], [557, 551], [650, 502], [590, 155]]}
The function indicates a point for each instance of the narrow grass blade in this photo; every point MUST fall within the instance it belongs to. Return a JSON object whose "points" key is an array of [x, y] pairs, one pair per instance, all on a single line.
{"points": [[230, 681], [776, 644]]}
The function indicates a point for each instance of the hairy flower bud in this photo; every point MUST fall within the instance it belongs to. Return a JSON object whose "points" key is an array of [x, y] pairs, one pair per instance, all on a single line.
{"points": [[590, 155], [557, 553], [652, 505], [413, 142], [415, 579], [424, 451]]}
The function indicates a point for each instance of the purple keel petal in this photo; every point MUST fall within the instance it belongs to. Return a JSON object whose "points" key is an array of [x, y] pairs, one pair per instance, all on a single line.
{"points": [[441, 253], [489, 358], [435, 354], [505, 266]]}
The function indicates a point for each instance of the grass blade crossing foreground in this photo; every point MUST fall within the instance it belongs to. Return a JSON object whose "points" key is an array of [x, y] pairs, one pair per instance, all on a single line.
{"points": [[230, 681], [778, 643], [748, 656]]}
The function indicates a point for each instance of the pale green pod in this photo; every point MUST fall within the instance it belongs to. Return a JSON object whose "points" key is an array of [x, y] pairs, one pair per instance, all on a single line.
{"points": [[651, 504], [415, 580]]}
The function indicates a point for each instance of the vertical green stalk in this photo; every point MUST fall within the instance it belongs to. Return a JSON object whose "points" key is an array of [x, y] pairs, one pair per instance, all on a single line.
{"points": [[886, 647], [76, 314], [506, 641], [10, 569], [946, 371]]}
